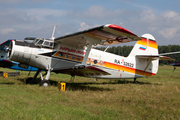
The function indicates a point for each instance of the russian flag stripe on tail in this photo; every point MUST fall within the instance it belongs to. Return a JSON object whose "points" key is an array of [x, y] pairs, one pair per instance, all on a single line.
{"points": [[142, 48]]}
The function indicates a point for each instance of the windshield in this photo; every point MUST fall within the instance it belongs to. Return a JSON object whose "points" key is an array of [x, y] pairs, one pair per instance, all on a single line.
{"points": [[35, 41], [39, 42]]}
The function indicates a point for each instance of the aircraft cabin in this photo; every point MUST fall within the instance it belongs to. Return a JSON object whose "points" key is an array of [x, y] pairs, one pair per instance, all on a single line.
{"points": [[43, 42]]}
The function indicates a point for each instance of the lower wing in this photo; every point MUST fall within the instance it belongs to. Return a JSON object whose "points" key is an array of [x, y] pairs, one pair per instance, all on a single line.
{"points": [[82, 70]]}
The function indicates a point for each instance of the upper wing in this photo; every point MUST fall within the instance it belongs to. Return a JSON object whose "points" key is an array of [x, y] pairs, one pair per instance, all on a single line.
{"points": [[104, 35]]}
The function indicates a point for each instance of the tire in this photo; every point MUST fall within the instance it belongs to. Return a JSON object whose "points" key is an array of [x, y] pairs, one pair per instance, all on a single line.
{"points": [[29, 80], [136, 82], [44, 83]]}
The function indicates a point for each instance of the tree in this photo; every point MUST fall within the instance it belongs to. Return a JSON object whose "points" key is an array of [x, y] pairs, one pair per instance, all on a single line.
{"points": [[125, 50]]}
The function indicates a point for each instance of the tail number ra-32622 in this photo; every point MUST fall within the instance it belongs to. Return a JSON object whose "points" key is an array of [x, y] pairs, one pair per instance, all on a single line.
{"points": [[128, 64]]}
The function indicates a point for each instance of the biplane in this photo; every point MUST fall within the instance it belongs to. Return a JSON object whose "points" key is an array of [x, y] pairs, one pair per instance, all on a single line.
{"points": [[74, 54]]}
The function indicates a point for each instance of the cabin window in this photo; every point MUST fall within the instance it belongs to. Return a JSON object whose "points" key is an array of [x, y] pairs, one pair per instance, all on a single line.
{"points": [[78, 58], [46, 43], [95, 61], [66, 55], [72, 57], [60, 54], [51, 44]]}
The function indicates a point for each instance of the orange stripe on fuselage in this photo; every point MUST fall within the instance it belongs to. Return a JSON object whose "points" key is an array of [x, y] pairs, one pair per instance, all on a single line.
{"points": [[127, 69], [145, 42], [120, 67]]}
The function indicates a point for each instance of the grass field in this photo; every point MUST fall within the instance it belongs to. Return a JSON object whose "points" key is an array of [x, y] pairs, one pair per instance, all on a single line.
{"points": [[156, 97]]}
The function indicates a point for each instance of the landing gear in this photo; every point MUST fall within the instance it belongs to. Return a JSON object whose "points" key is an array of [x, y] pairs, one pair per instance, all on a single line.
{"points": [[32, 80], [135, 82], [72, 79], [28, 80], [174, 68], [44, 83]]}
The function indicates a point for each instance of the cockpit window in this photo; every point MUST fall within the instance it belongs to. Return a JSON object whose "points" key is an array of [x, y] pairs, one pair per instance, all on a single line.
{"points": [[35, 40], [39, 42]]}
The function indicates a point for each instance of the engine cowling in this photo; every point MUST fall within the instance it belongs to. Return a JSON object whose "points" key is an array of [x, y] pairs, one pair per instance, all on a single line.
{"points": [[20, 52]]}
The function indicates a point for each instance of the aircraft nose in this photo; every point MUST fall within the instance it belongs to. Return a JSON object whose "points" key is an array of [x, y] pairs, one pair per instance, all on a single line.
{"points": [[6, 46], [6, 49]]}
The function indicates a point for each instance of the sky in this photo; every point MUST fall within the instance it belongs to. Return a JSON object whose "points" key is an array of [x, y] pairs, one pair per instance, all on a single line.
{"points": [[36, 18]]}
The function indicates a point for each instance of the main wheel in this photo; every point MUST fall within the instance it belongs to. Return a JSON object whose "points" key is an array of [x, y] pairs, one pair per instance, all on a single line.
{"points": [[44, 83], [29, 80], [135, 82]]}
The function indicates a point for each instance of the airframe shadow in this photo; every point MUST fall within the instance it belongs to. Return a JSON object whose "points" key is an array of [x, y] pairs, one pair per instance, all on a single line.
{"points": [[138, 82], [85, 86], [7, 83]]}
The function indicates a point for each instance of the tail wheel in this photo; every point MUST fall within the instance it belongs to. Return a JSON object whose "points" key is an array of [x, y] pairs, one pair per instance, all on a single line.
{"points": [[44, 83]]}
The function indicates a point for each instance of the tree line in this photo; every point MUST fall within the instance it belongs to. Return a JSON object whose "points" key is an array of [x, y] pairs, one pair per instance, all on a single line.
{"points": [[125, 50]]}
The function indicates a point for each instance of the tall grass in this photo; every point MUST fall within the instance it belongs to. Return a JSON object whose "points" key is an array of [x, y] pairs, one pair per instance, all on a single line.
{"points": [[156, 97]]}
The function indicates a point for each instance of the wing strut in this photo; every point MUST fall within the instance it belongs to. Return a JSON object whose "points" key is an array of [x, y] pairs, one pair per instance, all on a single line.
{"points": [[87, 53], [148, 64], [91, 42]]}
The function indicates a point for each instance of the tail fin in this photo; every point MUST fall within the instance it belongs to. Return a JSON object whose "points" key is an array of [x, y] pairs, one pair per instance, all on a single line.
{"points": [[145, 53], [146, 46]]}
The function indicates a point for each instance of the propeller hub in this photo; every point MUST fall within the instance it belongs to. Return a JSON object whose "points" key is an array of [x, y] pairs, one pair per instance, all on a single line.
{"points": [[6, 49]]}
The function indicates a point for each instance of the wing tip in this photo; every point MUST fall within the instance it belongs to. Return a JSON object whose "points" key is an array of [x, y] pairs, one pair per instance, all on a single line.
{"points": [[119, 28]]}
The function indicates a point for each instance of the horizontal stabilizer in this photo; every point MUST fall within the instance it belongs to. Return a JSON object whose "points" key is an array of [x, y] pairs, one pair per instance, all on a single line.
{"points": [[155, 57], [81, 70], [169, 53]]}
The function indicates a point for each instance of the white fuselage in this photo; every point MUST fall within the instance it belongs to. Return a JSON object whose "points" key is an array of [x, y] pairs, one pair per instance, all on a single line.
{"points": [[62, 56]]}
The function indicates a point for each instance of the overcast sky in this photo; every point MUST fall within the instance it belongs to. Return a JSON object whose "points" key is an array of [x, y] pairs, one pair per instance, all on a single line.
{"points": [[36, 18]]}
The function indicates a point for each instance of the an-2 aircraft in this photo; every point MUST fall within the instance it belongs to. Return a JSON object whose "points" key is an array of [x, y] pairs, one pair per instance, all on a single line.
{"points": [[73, 54]]}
